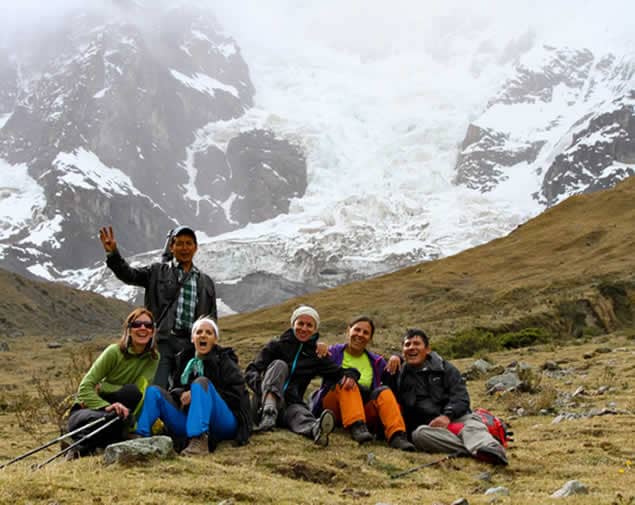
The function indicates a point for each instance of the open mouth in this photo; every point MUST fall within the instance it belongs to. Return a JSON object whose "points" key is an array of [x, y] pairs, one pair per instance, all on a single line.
{"points": [[203, 344]]}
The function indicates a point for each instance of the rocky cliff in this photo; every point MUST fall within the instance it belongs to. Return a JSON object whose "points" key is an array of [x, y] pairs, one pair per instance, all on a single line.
{"points": [[566, 116], [104, 120]]}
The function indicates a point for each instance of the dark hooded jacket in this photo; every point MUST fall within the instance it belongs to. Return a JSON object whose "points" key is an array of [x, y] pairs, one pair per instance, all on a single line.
{"points": [[220, 366], [304, 366], [437, 388]]}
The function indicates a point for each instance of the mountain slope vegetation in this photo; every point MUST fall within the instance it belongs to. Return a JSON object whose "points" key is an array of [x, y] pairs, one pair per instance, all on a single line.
{"points": [[568, 272], [29, 307]]}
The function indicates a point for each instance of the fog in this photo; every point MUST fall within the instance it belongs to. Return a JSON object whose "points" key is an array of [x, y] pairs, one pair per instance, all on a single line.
{"points": [[374, 28]]}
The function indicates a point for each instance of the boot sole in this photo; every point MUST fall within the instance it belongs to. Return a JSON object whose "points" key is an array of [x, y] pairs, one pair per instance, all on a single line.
{"points": [[327, 425]]}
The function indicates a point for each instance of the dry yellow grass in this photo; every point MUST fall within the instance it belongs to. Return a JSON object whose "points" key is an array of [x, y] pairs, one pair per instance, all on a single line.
{"points": [[280, 467], [565, 254], [579, 254]]}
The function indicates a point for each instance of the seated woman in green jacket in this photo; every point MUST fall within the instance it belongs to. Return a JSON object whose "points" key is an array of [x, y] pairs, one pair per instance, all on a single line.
{"points": [[116, 382]]}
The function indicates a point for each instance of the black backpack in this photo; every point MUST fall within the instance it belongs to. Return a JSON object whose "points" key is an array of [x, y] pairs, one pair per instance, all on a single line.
{"points": [[166, 255]]}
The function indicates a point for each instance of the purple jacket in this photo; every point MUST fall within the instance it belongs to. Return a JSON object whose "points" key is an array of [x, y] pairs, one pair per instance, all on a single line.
{"points": [[377, 362]]}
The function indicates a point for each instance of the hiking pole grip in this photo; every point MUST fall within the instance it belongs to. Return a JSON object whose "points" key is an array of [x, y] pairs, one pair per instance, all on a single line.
{"points": [[54, 441], [112, 419]]}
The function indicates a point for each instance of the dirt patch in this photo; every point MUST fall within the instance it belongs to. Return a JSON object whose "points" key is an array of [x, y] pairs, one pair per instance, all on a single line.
{"points": [[302, 470]]}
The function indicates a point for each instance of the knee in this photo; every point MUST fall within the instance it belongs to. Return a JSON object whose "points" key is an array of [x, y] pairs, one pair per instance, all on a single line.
{"points": [[381, 391], [422, 434], [278, 366], [419, 432], [152, 392], [131, 395], [277, 370], [202, 382], [352, 389], [130, 389]]}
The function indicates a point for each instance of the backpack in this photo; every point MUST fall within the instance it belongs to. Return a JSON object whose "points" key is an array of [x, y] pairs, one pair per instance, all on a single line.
{"points": [[498, 428], [166, 255]]}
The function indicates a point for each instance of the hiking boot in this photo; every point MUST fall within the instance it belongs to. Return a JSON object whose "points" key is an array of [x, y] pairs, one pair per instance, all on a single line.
{"points": [[400, 441], [493, 454], [197, 446], [71, 455], [359, 432], [268, 419], [323, 427]]}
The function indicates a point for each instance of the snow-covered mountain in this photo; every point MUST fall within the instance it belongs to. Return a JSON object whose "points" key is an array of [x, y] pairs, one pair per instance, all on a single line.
{"points": [[105, 121], [312, 144], [564, 119]]}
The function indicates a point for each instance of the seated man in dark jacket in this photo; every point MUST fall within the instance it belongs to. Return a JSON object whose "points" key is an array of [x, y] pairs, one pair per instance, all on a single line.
{"points": [[432, 394], [282, 371]]}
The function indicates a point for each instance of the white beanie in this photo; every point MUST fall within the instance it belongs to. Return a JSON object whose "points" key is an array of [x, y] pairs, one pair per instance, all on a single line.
{"points": [[305, 310], [202, 320]]}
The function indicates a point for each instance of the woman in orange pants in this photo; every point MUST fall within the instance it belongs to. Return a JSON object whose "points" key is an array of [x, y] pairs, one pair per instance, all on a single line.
{"points": [[366, 403]]}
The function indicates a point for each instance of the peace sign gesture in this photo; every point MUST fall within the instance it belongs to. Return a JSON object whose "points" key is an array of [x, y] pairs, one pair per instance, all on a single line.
{"points": [[107, 237]]}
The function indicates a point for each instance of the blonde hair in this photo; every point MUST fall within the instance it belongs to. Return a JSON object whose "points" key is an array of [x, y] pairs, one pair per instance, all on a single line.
{"points": [[124, 341]]}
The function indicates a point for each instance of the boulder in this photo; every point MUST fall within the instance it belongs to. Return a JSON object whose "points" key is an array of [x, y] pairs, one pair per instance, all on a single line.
{"points": [[500, 491], [479, 368], [571, 488], [504, 382], [139, 450]]}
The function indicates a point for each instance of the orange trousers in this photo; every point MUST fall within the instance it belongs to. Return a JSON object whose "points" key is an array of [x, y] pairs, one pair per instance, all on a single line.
{"points": [[382, 410]]}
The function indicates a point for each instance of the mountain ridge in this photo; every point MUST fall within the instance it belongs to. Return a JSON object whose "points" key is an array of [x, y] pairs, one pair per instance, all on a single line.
{"points": [[53, 309], [578, 252], [568, 270], [285, 160]]}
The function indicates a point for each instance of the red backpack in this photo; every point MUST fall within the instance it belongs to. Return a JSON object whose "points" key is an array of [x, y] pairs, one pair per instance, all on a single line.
{"points": [[496, 426]]}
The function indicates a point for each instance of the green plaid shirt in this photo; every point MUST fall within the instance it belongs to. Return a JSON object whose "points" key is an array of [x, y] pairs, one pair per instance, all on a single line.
{"points": [[186, 303]]}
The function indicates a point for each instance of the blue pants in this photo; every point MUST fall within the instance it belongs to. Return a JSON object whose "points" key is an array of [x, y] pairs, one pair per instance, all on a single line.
{"points": [[207, 413]]}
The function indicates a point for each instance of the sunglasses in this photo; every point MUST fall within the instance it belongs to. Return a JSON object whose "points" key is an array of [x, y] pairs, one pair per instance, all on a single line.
{"points": [[141, 324]]}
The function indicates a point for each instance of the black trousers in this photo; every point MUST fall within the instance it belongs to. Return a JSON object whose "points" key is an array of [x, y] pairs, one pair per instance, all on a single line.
{"points": [[129, 395], [168, 349]]}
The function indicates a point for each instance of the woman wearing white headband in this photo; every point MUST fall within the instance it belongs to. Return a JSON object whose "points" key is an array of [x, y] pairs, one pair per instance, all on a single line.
{"points": [[209, 403], [282, 371]]}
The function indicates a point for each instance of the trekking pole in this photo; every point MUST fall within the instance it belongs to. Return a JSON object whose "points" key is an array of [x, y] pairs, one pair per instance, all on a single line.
{"points": [[425, 465], [54, 441], [75, 444]]}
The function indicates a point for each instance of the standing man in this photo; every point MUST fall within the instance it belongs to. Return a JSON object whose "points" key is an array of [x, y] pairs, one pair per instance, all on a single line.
{"points": [[176, 292], [432, 394]]}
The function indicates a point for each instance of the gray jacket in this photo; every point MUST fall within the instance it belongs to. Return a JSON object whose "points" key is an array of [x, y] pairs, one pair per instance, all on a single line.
{"points": [[160, 281]]}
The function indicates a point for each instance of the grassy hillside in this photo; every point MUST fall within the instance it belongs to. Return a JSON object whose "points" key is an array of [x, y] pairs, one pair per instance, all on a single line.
{"points": [[29, 307], [282, 468], [566, 276], [570, 270]]}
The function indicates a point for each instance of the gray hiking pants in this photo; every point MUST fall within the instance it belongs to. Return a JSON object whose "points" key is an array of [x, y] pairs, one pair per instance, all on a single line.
{"points": [[297, 417], [472, 437]]}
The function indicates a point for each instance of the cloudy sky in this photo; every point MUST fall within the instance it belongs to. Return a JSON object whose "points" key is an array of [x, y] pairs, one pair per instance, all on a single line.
{"points": [[371, 26]]}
